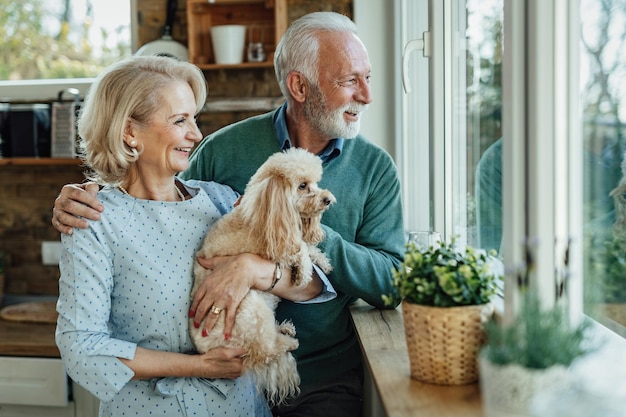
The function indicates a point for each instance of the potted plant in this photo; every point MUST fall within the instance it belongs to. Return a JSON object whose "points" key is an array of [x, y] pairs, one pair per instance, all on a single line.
{"points": [[446, 298], [527, 356]]}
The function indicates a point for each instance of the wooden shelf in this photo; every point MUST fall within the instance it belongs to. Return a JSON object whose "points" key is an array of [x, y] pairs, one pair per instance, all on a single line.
{"points": [[266, 21], [243, 65], [40, 161]]}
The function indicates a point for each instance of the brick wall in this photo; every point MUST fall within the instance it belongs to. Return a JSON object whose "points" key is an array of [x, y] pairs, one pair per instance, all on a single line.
{"points": [[151, 16], [27, 192]]}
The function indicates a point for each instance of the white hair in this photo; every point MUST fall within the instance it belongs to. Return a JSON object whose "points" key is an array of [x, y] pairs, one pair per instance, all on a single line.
{"points": [[298, 49]]}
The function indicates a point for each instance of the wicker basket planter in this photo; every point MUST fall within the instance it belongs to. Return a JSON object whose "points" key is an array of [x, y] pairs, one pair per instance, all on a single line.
{"points": [[443, 342]]}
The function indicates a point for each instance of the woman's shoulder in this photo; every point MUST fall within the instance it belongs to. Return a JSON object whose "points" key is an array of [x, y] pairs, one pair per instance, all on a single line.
{"points": [[222, 195], [210, 187]]}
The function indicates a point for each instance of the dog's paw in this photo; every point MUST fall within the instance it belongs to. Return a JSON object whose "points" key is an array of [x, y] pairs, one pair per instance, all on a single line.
{"points": [[301, 274], [319, 258], [287, 328], [324, 264]]}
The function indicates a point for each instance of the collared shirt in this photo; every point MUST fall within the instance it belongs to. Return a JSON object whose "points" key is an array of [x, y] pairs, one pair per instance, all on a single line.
{"points": [[364, 233], [331, 151]]}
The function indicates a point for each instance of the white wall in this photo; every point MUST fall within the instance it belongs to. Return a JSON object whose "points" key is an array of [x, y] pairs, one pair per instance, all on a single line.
{"points": [[374, 19]]}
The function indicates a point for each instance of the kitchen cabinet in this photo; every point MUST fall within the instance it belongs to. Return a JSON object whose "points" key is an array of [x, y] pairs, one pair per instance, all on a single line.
{"points": [[33, 382], [82, 404], [265, 20], [28, 381]]}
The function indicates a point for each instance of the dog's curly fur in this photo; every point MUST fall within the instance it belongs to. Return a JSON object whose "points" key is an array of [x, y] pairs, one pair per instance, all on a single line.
{"points": [[278, 218]]}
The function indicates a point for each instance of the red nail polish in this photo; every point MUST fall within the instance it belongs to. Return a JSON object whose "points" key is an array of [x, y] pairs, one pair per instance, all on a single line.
{"points": [[192, 313], [226, 336], [204, 333], [196, 324]]}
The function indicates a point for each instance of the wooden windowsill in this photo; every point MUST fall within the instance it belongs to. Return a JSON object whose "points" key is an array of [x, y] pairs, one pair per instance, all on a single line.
{"points": [[40, 161], [381, 335]]}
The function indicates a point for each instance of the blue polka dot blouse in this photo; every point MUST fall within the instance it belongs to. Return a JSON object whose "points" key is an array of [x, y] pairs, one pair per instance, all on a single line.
{"points": [[125, 282]]}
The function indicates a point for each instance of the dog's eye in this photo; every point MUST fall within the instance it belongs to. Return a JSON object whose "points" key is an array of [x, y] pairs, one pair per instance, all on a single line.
{"points": [[302, 186]]}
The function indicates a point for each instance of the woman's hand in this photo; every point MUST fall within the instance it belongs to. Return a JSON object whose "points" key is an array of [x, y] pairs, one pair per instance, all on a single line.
{"points": [[73, 201], [222, 363], [216, 363], [231, 279], [228, 283]]}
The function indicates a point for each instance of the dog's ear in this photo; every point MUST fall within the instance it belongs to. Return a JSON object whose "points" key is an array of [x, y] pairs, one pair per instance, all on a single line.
{"points": [[270, 211], [312, 232]]}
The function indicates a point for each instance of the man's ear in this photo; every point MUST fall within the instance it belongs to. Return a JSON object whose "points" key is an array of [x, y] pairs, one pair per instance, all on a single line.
{"points": [[298, 86]]}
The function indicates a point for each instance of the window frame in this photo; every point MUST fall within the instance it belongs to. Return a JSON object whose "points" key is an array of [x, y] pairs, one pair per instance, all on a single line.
{"points": [[542, 201], [540, 106], [48, 89]]}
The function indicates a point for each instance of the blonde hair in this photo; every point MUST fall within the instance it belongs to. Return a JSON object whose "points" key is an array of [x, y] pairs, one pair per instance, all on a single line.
{"points": [[129, 89]]}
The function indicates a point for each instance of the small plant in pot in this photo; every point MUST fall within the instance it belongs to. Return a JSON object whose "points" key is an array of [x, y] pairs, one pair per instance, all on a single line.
{"points": [[446, 298], [528, 356]]}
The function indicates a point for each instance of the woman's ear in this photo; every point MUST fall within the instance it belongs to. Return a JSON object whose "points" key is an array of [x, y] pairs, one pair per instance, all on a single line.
{"points": [[298, 86], [129, 134]]}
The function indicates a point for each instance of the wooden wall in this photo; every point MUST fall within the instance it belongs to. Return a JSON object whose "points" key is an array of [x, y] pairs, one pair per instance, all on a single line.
{"points": [[27, 192]]}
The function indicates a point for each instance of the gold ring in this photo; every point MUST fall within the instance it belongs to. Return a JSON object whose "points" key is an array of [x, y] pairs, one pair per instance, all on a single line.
{"points": [[216, 310]]}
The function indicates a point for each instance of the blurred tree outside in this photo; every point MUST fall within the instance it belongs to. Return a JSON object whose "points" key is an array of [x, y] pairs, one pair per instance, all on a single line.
{"points": [[603, 36], [484, 52], [45, 39], [603, 78]]}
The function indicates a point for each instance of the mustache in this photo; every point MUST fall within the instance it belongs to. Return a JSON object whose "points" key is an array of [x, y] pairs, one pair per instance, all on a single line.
{"points": [[355, 108]]}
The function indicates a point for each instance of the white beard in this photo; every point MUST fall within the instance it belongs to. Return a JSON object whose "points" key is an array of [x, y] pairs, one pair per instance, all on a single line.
{"points": [[331, 122]]}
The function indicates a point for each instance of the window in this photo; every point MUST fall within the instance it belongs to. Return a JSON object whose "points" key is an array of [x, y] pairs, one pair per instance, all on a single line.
{"points": [[47, 43], [603, 102], [552, 155], [463, 116]]}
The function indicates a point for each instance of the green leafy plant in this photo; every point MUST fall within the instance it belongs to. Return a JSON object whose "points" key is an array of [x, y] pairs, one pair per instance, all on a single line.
{"points": [[442, 276], [538, 338]]}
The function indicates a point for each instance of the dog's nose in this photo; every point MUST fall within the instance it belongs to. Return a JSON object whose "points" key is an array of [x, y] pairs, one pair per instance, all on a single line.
{"points": [[327, 201]]}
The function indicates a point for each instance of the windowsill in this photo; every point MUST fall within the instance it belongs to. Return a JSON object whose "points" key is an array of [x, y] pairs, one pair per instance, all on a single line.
{"points": [[40, 90], [608, 340], [381, 335], [48, 90], [395, 394]]}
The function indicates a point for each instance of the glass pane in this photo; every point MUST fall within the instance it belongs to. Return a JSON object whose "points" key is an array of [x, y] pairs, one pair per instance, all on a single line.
{"points": [[603, 95], [477, 123], [45, 39]]}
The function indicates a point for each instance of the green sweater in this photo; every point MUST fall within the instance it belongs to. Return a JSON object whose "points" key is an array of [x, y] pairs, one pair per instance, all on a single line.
{"points": [[364, 234]]}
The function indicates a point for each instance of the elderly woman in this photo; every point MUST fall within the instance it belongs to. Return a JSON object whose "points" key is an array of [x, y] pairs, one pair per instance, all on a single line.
{"points": [[126, 279]]}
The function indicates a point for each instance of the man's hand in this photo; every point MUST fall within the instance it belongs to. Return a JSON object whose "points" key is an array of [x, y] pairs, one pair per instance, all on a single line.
{"points": [[76, 200]]}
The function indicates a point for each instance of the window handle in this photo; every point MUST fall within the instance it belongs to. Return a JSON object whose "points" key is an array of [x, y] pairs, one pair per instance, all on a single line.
{"points": [[423, 45]]}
